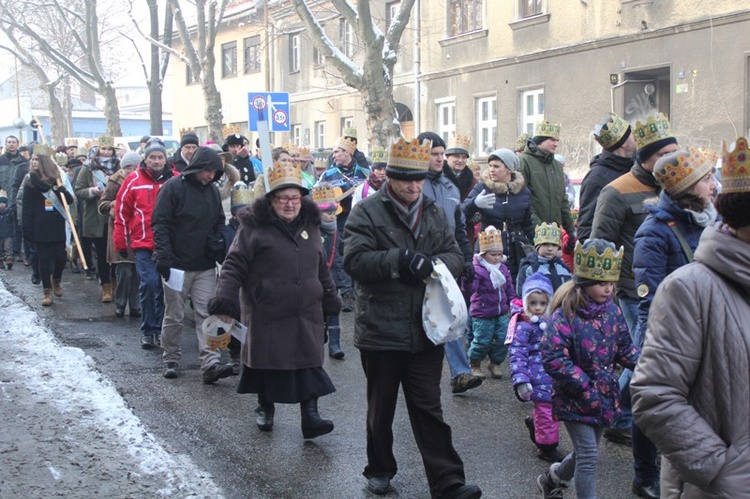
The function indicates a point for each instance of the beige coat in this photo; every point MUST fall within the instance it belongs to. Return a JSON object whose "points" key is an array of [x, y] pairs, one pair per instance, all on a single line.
{"points": [[691, 388]]}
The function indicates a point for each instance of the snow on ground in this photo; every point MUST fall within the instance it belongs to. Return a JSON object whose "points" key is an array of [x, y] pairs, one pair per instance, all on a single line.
{"points": [[65, 430]]}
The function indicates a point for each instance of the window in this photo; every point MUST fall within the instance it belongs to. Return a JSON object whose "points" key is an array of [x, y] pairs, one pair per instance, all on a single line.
{"points": [[486, 124], [346, 123], [391, 11], [294, 53], [318, 58], [252, 54], [532, 109], [464, 16], [446, 119], [294, 133], [320, 134], [346, 37], [529, 8], [229, 60]]}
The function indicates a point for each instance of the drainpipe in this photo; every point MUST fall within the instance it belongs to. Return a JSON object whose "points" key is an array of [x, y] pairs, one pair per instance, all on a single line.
{"points": [[417, 109]]}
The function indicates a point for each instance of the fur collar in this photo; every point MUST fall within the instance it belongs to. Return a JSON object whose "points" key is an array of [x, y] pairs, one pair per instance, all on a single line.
{"points": [[261, 213], [516, 184]]}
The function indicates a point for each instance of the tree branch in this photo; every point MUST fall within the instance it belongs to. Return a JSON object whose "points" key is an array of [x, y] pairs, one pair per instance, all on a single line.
{"points": [[396, 29]]}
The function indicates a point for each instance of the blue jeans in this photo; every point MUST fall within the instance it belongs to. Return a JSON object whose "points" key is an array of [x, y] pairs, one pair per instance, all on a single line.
{"points": [[456, 357], [489, 338], [150, 293], [581, 463], [629, 308]]}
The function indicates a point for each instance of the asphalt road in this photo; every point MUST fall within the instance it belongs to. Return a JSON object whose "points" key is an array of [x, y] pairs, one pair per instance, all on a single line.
{"points": [[216, 426]]}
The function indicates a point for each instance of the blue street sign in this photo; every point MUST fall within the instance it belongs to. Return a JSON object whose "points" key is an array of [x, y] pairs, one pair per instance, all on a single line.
{"points": [[272, 107]]}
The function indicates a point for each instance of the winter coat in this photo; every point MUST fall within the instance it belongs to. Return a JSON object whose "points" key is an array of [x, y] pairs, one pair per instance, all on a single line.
{"points": [[20, 169], [557, 271], [188, 219], [42, 224], [512, 207], [134, 207], [485, 299], [286, 287], [94, 223], [580, 356], [345, 177], [545, 179], [605, 168], [691, 394], [6, 221], [331, 247], [658, 252], [245, 168], [464, 180], [620, 210], [106, 206], [6, 169], [178, 162], [526, 358], [446, 195], [388, 310]]}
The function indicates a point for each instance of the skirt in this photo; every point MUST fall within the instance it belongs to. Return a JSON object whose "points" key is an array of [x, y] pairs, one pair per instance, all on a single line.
{"points": [[286, 386]]}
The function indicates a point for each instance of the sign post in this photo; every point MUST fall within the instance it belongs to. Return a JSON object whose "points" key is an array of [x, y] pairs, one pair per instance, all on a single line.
{"points": [[267, 112]]}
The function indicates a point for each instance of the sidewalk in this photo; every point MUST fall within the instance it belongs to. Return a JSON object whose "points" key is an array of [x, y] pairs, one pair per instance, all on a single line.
{"points": [[66, 432]]}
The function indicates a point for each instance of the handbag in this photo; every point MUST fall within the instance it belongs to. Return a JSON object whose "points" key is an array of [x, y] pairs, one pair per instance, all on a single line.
{"points": [[444, 311]]}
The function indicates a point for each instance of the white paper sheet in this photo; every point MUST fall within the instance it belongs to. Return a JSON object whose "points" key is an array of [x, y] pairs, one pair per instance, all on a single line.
{"points": [[176, 279]]}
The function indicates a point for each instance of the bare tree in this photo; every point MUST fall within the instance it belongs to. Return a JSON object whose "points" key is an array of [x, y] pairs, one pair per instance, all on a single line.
{"points": [[374, 78], [85, 34]]}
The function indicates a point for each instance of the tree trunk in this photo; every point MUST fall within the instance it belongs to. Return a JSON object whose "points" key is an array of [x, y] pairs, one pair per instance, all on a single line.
{"points": [[213, 115], [111, 110], [57, 124]]}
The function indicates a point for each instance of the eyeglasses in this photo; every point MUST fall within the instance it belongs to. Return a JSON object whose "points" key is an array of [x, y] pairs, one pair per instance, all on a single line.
{"points": [[289, 199]]}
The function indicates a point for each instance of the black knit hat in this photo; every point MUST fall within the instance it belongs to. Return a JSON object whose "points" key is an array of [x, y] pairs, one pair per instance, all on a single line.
{"points": [[437, 140], [235, 140], [189, 138]]}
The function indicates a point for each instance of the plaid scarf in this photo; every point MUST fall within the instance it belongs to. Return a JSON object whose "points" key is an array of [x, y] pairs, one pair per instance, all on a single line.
{"points": [[411, 216]]}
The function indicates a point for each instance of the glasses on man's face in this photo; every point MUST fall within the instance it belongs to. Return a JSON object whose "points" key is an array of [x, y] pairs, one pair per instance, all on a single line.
{"points": [[289, 199]]}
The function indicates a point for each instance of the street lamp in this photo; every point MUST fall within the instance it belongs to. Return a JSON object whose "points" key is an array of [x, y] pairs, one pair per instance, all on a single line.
{"points": [[19, 123]]}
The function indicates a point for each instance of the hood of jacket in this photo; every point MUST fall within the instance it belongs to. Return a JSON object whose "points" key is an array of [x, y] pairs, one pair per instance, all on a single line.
{"points": [[205, 158], [516, 184], [725, 255], [533, 149]]}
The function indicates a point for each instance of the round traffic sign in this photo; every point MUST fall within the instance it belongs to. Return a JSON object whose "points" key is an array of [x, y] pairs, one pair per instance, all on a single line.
{"points": [[280, 117], [259, 102]]}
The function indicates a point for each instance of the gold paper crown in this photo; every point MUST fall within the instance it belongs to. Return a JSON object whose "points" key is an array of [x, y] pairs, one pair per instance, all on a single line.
{"points": [[410, 155], [228, 130], [692, 165], [459, 142], [547, 129], [241, 195], [71, 142], [304, 151], [379, 155], [321, 164], [611, 131], [323, 194], [521, 142], [350, 132], [545, 233], [597, 267], [490, 239], [735, 170], [89, 144], [61, 158], [291, 148], [285, 174], [106, 141], [183, 131], [43, 150], [346, 144], [653, 130]]}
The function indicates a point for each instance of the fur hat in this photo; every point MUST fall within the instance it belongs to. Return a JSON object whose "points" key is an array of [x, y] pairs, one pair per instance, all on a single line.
{"points": [[130, 159], [154, 145], [507, 156], [537, 283]]}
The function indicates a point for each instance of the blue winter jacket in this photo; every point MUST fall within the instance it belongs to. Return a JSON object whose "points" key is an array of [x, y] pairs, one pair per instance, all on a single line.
{"points": [[658, 252]]}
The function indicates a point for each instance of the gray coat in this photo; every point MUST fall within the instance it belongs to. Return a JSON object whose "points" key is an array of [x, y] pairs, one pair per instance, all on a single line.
{"points": [[691, 388], [389, 311]]}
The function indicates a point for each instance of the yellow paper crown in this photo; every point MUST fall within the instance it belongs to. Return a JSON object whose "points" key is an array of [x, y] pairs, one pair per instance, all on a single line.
{"points": [[323, 194], [241, 195], [350, 132], [285, 174], [61, 158], [521, 142], [230, 129], [410, 155], [71, 142], [304, 151], [379, 155], [545, 233], [321, 164], [611, 131], [291, 148], [459, 142], [735, 170], [490, 239], [547, 129], [43, 150], [106, 141], [183, 131], [594, 266], [690, 167], [652, 130], [346, 144]]}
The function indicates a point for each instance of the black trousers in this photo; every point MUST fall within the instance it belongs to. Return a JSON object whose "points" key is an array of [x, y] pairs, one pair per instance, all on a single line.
{"points": [[51, 261], [419, 375], [100, 245]]}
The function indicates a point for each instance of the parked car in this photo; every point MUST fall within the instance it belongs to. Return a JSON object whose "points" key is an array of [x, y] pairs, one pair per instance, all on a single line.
{"points": [[134, 141]]}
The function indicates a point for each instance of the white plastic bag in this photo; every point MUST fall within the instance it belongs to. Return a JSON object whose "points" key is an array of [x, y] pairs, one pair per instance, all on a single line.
{"points": [[443, 310]]}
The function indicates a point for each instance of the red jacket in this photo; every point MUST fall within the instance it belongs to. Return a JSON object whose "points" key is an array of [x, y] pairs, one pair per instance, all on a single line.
{"points": [[133, 208]]}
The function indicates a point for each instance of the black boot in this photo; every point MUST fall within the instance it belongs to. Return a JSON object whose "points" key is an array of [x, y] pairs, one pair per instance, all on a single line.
{"points": [[266, 411], [549, 453], [529, 422], [312, 424], [334, 343]]}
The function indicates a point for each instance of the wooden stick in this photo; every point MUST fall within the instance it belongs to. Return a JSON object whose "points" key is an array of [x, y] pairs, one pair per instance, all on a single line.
{"points": [[72, 225]]}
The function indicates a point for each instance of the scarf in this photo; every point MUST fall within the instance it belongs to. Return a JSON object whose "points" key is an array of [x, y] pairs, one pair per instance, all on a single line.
{"points": [[592, 309], [107, 164], [496, 276], [705, 217], [328, 227], [411, 216]]}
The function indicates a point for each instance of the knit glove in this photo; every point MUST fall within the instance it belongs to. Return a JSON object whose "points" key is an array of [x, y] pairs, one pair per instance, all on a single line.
{"points": [[570, 246], [414, 267], [163, 270], [523, 391], [485, 200]]}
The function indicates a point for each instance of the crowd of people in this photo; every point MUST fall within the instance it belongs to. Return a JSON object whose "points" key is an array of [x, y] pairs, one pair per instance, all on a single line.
{"points": [[629, 325]]}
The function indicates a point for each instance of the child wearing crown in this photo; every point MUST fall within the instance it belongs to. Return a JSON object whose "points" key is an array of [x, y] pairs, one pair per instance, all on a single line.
{"points": [[491, 293], [545, 259], [530, 381], [587, 335]]}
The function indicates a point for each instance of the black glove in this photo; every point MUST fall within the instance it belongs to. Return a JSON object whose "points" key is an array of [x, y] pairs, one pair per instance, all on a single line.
{"points": [[123, 253], [62, 192], [570, 246], [163, 270], [331, 304], [414, 267], [469, 271]]}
